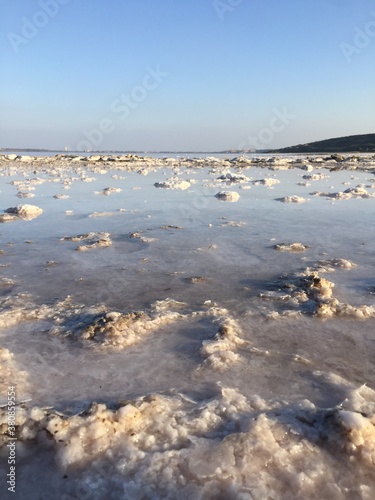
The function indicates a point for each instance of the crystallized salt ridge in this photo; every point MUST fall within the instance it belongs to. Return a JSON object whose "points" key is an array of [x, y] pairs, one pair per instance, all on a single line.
{"points": [[170, 446], [114, 330], [309, 293], [220, 352]]}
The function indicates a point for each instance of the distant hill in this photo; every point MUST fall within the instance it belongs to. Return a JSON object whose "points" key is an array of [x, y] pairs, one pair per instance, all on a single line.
{"points": [[350, 144]]}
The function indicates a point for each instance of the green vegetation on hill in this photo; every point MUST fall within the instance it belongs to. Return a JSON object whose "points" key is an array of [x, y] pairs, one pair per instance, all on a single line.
{"points": [[350, 144]]}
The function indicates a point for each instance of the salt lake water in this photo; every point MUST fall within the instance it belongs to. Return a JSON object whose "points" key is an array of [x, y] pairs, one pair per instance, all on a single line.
{"points": [[181, 353]]}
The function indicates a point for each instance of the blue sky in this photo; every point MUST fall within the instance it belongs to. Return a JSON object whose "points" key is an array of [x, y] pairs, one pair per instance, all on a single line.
{"points": [[196, 75]]}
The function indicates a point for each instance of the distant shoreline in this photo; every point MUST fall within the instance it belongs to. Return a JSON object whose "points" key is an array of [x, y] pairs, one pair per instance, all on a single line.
{"points": [[364, 143]]}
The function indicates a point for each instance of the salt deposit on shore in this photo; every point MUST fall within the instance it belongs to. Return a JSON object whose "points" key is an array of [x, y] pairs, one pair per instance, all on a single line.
{"points": [[15, 163]]}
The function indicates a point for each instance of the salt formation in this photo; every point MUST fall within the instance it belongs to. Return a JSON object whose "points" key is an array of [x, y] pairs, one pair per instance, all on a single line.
{"points": [[291, 247], [233, 178], [292, 199], [110, 190], [61, 196], [117, 331], [143, 239], [196, 279], [171, 446], [315, 177], [356, 192], [103, 214], [173, 183], [233, 223], [25, 194], [114, 330], [220, 352], [331, 264], [6, 281], [7, 217], [24, 212], [269, 182], [231, 196], [306, 292], [94, 240], [100, 163]]}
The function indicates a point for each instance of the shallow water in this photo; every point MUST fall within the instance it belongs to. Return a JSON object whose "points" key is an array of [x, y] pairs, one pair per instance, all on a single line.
{"points": [[263, 387]]}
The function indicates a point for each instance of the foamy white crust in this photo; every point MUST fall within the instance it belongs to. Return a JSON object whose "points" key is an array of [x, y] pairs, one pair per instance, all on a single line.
{"points": [[170, 446]]}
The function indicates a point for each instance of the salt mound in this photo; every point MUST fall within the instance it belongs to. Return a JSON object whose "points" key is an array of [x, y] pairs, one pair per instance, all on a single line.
{"points": [[292, 199], [231, 196], [143, 239], [115, 330], [266, 182], [308, 293], [173, 183], [341, 263], [291, 247], [7, 217], [356, 192], [25, 212], [232, 178], [61, 196], [220, 352], [315, 177], [109, 190]]}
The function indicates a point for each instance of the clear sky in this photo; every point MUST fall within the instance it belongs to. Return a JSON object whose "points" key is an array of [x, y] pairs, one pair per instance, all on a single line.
{"points": [[190, 75]]}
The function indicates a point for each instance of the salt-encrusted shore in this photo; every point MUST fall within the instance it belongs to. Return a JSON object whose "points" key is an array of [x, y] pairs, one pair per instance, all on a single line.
{"points": [[13, 163]]}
